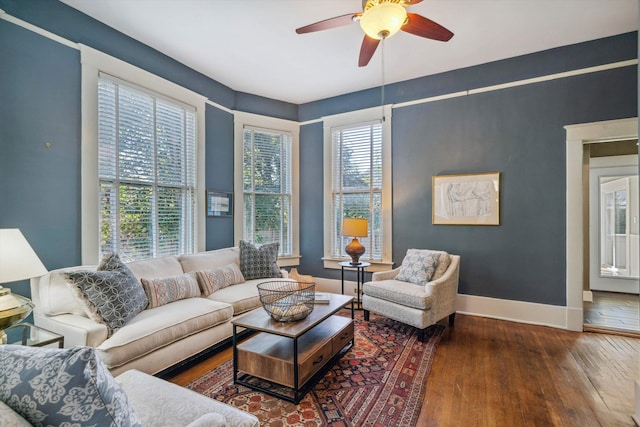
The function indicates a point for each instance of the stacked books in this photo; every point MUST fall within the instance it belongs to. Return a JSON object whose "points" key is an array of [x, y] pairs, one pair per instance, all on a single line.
{"points": [[322, 298]]}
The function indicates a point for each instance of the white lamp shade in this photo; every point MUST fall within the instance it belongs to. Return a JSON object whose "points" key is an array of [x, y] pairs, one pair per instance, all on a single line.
{"points": [[355, 227], [18, 261]]}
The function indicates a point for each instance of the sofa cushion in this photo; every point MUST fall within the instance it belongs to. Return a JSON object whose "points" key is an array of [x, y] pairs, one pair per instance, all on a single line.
{"points": [[209, 420], [156, 267], [174, 405], [112, 295], [164, 290], [10, 418], [257, 262], [243, 297], [418, 266], [160, 326], [62, 387], [399, 292], [210, 260], [211, 281]]}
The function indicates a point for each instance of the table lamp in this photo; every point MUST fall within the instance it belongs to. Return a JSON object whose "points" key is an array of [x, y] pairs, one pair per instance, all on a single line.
{"points": [[355, 227], [17, 262]]}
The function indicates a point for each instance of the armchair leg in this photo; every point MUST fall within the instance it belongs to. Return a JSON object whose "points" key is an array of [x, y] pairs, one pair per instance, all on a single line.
{"points": [[452, 318], [366, 315], [422, 334]]}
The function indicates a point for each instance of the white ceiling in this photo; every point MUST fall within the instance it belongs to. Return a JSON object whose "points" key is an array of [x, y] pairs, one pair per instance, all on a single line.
{"points": [[251, 45]]}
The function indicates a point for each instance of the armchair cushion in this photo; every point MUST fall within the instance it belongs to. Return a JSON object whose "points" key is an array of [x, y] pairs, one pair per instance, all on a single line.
{"points": [[418, 266], [400, 292]]}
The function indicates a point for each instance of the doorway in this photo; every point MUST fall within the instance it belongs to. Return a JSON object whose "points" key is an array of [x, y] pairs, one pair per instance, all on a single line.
{"points": [[577, 248], [611, 300]]}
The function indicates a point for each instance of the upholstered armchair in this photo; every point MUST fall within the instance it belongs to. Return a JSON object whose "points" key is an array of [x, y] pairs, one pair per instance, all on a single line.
{"points": [[420, 292]]}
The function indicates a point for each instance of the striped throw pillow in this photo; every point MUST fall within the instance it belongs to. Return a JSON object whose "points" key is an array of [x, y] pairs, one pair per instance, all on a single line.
{"points": [[164, 290], [214, 280]]}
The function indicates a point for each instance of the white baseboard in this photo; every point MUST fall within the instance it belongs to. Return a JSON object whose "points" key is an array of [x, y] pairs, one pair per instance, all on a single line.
{"points": [[514, 311], [587, 296]]}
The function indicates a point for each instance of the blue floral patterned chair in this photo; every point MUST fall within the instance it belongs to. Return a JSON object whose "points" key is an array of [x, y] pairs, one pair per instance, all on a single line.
{"points": [[420, 292]]}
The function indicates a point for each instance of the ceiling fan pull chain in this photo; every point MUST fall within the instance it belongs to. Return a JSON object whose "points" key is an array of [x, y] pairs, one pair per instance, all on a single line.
{"points": [[382, 104]]}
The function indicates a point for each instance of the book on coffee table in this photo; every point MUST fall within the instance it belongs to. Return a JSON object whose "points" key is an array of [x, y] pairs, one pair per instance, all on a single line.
{"points": [[322, 298]]}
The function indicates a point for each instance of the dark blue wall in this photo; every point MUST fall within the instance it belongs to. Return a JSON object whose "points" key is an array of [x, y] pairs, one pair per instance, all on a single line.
{"points": [[517, 132], [219, 161]]}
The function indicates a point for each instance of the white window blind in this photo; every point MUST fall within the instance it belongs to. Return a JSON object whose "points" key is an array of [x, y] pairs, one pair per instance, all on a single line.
{"points": [[267, 187], [147, 172], [356, 178]]}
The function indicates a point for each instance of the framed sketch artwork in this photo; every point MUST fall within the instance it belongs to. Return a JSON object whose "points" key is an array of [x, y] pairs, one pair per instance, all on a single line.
{"points": [[472, 199], [219, 203]]}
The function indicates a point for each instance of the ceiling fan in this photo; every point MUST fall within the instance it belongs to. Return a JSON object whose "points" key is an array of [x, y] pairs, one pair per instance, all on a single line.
{"points": [[381, 19]]}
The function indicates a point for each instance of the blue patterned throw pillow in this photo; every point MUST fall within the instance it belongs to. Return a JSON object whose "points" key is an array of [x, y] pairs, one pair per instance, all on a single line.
{"points": [[111, 295], [259, 262], [418, 266], [62, 387]]}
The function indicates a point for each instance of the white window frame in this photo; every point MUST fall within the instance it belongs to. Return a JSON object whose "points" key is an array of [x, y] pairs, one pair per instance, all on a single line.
{"points": [[242, 120], [355, 118], [94, 62]]}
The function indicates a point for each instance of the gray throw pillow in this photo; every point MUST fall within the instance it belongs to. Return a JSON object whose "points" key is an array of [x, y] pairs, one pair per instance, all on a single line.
{"points": [[418, 266], [62, 387], [111, 295], [259, 262]]}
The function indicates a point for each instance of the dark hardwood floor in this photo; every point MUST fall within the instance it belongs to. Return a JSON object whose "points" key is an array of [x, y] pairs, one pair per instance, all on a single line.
{"points": [[614, 311], [490, 372]]}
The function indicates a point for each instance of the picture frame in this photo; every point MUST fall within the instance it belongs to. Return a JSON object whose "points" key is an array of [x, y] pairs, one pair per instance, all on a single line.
{"points": [[466, 199], [219, 203]]}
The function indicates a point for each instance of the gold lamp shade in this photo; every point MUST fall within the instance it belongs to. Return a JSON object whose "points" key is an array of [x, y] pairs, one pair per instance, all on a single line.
{"points": [[355, 227]]}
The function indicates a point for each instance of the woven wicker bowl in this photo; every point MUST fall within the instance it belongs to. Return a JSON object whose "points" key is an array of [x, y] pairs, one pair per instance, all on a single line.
{"points": [[287, 301]]}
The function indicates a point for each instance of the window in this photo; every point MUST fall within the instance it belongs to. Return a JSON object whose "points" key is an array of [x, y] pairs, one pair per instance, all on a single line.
{"points": [[266, 183], [357, 184], [267, 194], [143, 136], [146, 172]]}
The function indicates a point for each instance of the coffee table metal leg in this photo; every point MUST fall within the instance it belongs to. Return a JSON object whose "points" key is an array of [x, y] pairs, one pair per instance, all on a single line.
{"points": [[235, 355]]}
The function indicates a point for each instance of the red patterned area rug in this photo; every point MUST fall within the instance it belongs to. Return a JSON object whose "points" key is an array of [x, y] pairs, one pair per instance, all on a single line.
{"points": [[379, 382]]}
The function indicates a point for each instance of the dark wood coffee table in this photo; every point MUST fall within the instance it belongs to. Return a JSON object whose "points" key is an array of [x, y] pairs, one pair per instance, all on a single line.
{"points": [[287, 359]]}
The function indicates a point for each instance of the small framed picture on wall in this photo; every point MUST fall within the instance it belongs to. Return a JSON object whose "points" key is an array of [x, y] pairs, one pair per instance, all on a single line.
{"points": [[219, 203]]}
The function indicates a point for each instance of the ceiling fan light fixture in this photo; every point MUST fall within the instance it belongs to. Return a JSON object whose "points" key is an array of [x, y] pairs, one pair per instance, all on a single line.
{"points": [[383, 20]]}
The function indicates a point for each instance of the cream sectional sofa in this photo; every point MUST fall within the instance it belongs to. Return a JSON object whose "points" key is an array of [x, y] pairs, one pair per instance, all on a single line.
{"points": [[157, 338]]}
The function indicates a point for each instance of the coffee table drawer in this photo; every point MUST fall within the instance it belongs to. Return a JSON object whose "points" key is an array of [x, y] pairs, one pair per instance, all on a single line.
{"points": [[342, 338], [270, 357]]}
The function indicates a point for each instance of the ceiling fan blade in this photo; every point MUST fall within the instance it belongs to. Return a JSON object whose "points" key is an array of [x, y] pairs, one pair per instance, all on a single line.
{"points": [[423, 27], [367, 50], [338, 21]]}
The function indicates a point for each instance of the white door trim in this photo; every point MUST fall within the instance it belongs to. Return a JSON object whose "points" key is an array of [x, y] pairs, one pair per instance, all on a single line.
{"points": [[577, 136]]}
